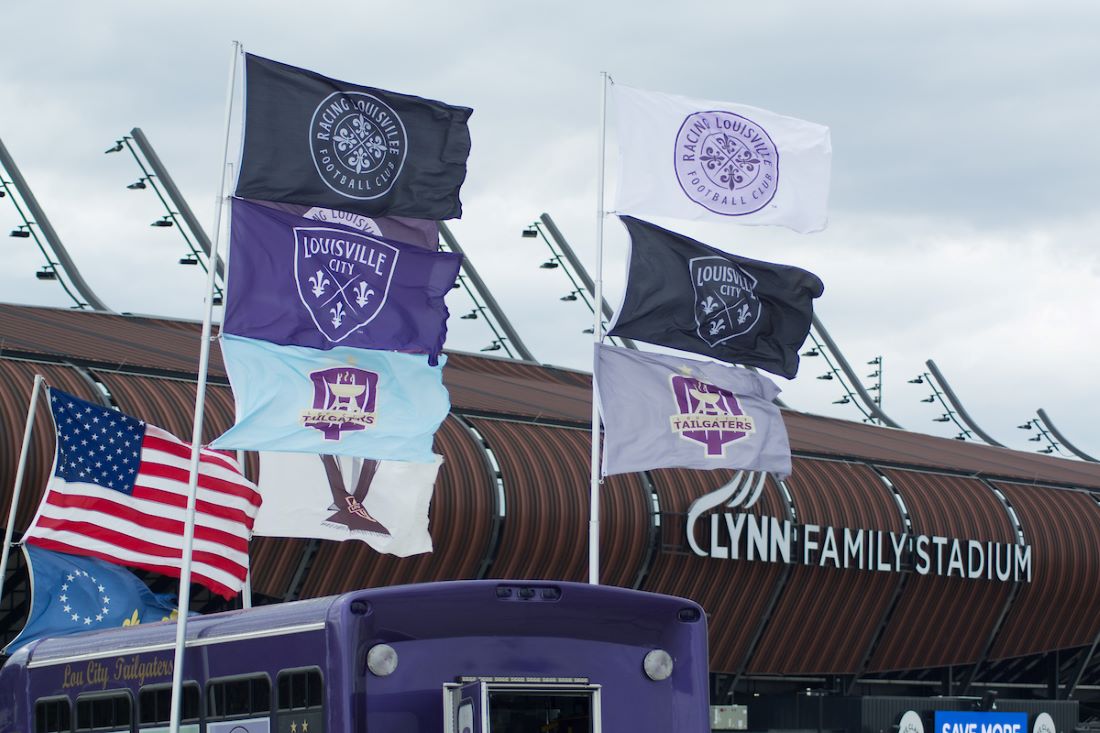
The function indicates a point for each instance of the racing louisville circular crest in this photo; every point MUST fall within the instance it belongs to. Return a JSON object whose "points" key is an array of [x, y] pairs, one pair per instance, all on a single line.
{"points": [[726, 163], [358, 144]]}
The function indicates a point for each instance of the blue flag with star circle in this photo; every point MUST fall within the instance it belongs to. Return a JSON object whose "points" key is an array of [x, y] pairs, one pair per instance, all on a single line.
{"points": [[70, 594]]}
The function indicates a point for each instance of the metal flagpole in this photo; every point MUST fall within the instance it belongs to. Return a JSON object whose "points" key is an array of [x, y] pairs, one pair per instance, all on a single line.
{"points": [[597, 337], [200, 402], [38, 380]]}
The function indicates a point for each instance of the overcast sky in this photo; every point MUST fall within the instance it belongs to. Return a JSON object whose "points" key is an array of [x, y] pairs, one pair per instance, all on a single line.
{"points": [[966, 165]]}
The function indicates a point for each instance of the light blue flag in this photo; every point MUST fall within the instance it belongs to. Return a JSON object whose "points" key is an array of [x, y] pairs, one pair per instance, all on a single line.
{"points": [[70, 594], [344, 401]]}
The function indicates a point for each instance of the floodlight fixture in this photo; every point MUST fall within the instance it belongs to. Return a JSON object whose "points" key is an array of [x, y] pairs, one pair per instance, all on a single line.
{"points": [[549, 265], [46, 273], [917, 380], [530, 232]]}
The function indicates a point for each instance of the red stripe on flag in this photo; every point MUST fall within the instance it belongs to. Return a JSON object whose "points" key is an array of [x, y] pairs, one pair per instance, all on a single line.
{"points": [[201, 506], [143, 519], [140, 546], [183, 476], [168, 443]]}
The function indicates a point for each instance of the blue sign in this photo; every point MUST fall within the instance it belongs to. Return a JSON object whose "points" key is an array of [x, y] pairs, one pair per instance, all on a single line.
{"points": [[952, 721]]}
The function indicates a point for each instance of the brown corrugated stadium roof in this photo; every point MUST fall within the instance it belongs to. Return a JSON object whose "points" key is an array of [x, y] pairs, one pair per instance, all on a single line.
{"points": [[512, 498]]}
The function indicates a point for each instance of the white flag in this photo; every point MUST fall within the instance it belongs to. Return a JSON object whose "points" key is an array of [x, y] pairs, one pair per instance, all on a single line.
{"points": [[717, 161], [382, 503]]}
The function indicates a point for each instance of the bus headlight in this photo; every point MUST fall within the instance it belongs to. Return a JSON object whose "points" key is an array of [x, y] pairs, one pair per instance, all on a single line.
{"points": [[382, 659], [657, 665]]}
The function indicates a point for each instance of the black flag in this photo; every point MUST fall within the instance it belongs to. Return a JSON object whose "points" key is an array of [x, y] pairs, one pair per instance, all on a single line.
{"points": [[316, 141], [685, 295]]}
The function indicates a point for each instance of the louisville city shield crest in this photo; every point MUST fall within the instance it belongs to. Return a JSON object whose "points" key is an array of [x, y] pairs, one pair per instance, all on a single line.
{"points": [[726, 305], [343, 278]]}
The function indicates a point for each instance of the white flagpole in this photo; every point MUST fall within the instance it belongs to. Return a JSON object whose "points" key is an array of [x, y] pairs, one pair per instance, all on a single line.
{"points": [[597, 337], [200, 403], [38, 380]]}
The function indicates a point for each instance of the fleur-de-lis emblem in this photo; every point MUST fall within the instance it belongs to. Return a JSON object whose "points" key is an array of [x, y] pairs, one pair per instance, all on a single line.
{"points": [[709, 305], [133, 620], [338, 314], [743, 314], [716, 327], [319, 283], [175, 614], [363, 293]]}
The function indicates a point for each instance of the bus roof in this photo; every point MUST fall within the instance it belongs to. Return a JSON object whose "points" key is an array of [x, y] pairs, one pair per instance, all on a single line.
{"points": [[419, 610]]}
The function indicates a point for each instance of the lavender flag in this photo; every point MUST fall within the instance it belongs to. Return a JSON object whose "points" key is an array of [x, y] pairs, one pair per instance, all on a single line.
{"points": [[301, 282], [668, 412]]}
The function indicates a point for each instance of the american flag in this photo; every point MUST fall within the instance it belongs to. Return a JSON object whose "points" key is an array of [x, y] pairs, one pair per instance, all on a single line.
{"points": [[118, 491]]}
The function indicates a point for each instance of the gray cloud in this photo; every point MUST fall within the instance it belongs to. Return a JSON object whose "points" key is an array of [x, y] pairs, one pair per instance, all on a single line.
{"points": [[965, 159]]}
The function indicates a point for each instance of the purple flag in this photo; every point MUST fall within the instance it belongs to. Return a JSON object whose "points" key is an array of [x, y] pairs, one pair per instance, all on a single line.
{"points": [[666, 411], [303, 282]]}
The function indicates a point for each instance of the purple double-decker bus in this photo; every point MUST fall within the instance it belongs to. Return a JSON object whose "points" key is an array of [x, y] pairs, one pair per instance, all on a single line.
{"points": [[456, 657]]}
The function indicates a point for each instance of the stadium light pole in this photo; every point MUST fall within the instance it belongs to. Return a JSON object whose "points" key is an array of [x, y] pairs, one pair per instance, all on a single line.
{"points": [[855, 387], [1061, 438], [37, 220], [957, 407], [509, 336], [155, 175]]}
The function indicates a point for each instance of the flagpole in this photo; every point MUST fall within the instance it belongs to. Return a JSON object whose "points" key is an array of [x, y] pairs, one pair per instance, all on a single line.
{"points": [[200, 402], [597, 338], [38, 380]]}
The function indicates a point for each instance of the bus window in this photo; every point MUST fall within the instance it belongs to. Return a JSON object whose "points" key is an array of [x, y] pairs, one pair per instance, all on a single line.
{"points": [[53, 716], [103, 712], [480, 707], [516, 711], [155, 707], [300, 701], [238, 698]]}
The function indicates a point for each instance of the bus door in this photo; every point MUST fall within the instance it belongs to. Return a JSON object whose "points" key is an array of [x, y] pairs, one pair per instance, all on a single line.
{"points": [[469, 706]]}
